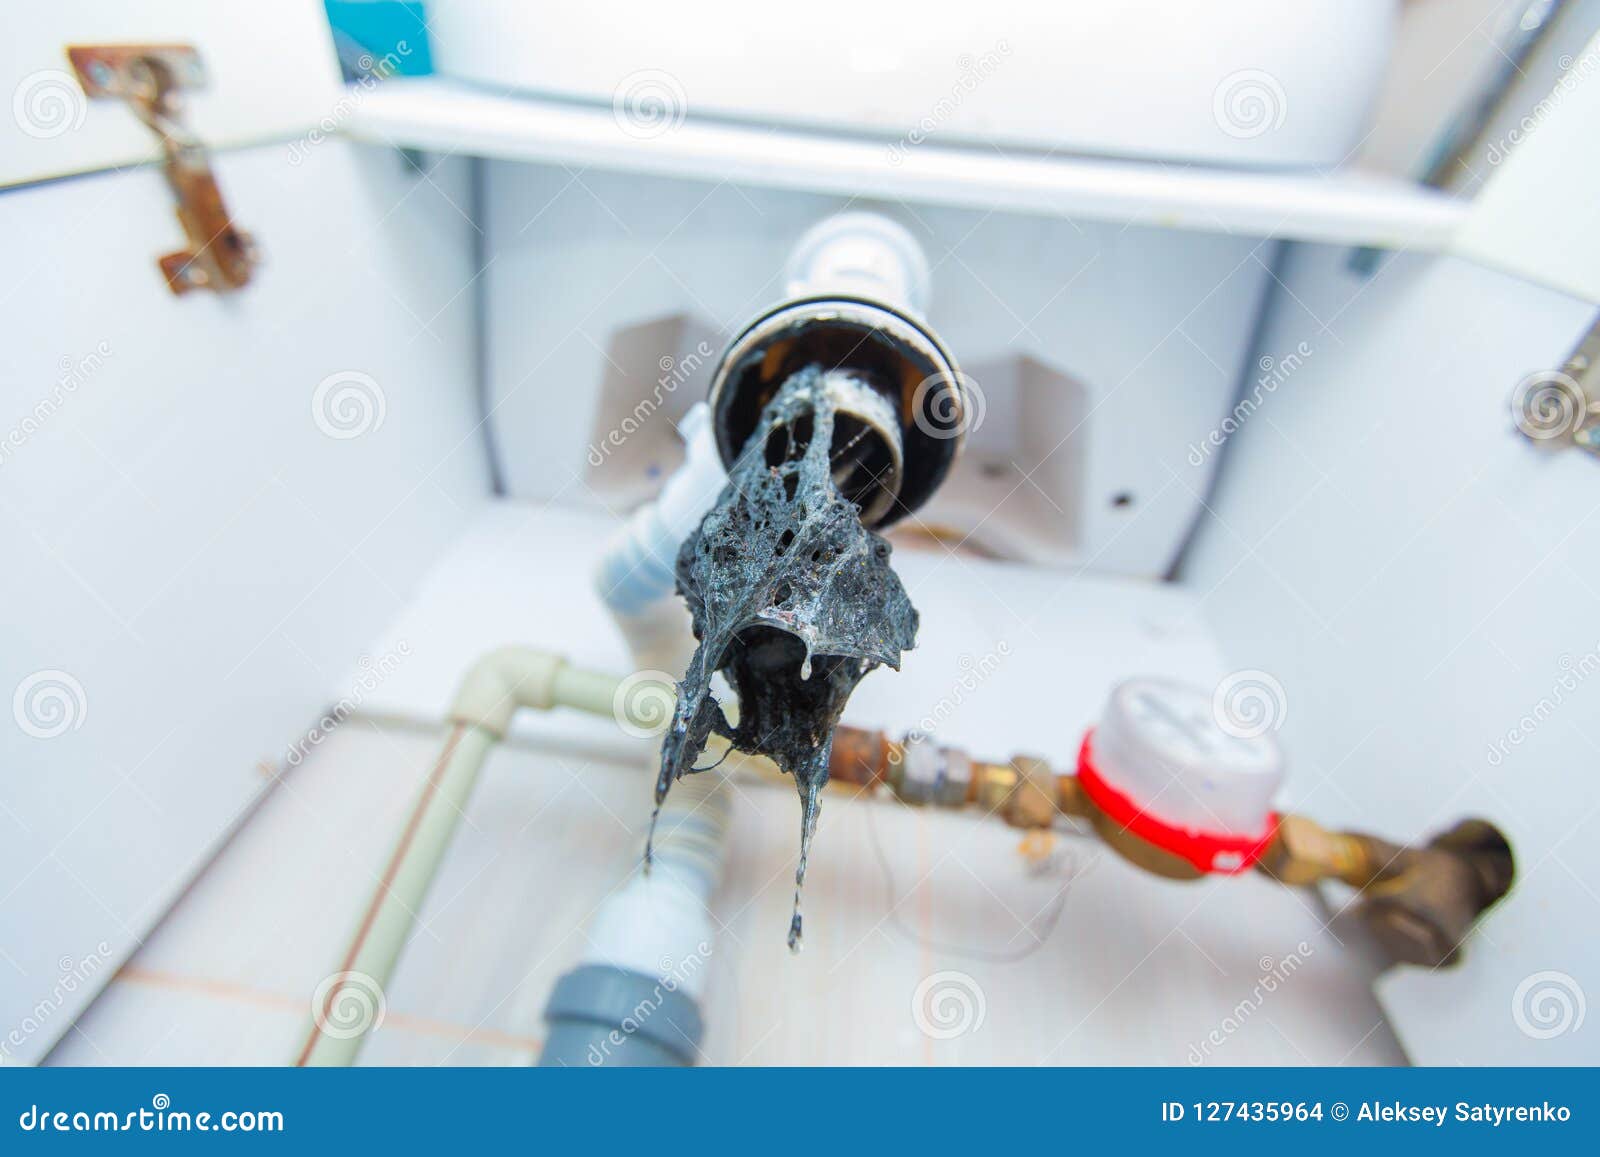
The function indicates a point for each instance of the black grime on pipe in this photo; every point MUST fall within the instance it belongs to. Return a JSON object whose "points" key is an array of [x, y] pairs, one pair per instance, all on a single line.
{"points": [[793, 600]]}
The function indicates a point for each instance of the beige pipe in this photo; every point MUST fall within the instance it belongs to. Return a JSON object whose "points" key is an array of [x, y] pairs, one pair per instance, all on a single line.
{"points": [[496, 687]]}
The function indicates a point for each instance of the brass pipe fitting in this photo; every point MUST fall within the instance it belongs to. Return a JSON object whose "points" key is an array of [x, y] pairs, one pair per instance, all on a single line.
{"points": [[992, 785], [921, 772], [1031, 803], [1022, 792], [861, 757], [1422, 903], [1303, 852]]}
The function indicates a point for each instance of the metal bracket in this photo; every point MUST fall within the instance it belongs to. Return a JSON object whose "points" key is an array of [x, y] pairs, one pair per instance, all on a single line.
{"points": [[1560, 408], [150, 78]]}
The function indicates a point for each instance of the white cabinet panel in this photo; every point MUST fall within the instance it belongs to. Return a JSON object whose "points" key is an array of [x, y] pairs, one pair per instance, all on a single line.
{"points": [[199, 534], [271, 70]]}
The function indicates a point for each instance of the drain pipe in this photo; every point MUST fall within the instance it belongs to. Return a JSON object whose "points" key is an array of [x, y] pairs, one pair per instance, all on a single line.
{"points": [[493, 691], [634, 998], [854, 255]]}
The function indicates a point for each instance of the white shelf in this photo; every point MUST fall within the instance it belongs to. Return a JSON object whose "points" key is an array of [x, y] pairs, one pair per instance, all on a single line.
{"points": [[1345, 208]]}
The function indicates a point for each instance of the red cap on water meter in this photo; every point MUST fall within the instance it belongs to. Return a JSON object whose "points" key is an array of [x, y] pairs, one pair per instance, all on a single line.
{"points": [[1166, 768]]}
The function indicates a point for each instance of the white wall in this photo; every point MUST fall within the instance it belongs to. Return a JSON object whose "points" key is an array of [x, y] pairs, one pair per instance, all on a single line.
{"points": [[1419, 578]]}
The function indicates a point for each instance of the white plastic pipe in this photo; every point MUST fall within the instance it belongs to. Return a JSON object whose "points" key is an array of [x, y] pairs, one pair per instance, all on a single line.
{"points": [[637, 569], [860, 254], [659, 924]]}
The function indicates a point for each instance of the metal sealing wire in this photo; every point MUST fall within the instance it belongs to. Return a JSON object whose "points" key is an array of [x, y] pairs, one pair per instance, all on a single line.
{"points": [[1013, 956]]}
